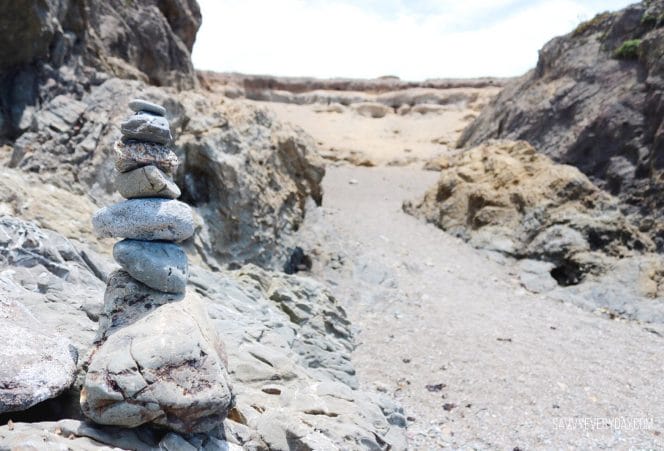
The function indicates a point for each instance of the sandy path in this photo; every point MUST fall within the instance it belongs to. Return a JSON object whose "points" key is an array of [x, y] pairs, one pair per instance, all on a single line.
{"points": [[430, 310]]}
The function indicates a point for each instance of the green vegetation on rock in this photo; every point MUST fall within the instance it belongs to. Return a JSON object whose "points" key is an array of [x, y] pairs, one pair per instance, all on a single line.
{"points": [[628, 49]]}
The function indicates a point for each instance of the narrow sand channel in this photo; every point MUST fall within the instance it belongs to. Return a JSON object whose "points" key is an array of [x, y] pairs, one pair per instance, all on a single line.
{"points": [[475, 360]]}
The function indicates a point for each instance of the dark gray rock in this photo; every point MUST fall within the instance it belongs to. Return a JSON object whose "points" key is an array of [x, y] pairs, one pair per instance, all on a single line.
{"points": [[145, 219], [147, 127], [37, 364], [127, 300], [130, 155], [148, 181], [159, 265], [139, 105], [166, 369]]}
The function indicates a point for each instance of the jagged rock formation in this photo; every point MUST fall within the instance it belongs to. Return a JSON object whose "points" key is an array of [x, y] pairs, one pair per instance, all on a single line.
{"points": [[247, 175], [595, 101], [66, 46], [504, 197], [288, 343]]}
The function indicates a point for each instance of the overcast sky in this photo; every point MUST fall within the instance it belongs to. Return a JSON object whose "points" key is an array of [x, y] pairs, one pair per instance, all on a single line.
{"points": [[413, 39]]}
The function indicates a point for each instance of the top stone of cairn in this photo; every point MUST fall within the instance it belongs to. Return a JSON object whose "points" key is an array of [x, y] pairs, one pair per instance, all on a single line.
{"points": [[139, 105]]}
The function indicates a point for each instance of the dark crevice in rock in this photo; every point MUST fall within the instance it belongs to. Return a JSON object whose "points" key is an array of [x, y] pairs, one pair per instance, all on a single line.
{"points": [[568, 273], [54, 409]]}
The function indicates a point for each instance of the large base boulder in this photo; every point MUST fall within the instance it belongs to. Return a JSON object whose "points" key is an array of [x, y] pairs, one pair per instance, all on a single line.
{"points": [[166, 369]]}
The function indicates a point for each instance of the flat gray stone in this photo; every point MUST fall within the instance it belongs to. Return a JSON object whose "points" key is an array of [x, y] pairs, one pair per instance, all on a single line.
{"points": [[148, 181], [139, 105], [167, 369], [147, 127], [159, 265], [127, 300], [35, 365], [145, 219], [130, 155]]}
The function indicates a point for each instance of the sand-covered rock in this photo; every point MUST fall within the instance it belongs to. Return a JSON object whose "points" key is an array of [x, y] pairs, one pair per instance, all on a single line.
{"points": [[504, 197], [593, 103]]}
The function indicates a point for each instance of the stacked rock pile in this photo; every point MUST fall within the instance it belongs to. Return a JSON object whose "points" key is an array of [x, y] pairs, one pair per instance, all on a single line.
{"points": [[158, 361]]}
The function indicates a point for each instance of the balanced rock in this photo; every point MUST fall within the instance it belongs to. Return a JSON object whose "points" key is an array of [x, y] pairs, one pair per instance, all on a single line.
{"points": [[127, 300], [166, 369], [147, 127], [34, 364], [139, 105], [145, 219], [159, 265], [148, 181], [131, 155]]}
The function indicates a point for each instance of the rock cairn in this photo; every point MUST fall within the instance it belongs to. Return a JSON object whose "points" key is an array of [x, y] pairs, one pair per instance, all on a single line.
{"points": [[157, 361]]}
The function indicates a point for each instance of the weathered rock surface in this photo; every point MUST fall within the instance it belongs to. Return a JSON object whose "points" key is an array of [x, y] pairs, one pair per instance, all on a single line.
{"points": [[84, 436], [159, 265], [148, 181], [36, 365], [288, 342], [130, 155], [165, 369], [145, 219], [147, 127], [504, 197], [588, 105]]}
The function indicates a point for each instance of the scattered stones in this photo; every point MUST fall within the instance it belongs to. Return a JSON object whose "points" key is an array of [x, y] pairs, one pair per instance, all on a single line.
{"points": [[148, 181], [131, 155], [35, 365], [159, 265], [145, 219], [147, 127], [139, 105]]}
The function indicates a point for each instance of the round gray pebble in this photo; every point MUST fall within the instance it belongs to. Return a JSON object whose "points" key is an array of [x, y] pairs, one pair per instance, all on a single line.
{"points": [[145, 219], [159, 265], [143, 105]]}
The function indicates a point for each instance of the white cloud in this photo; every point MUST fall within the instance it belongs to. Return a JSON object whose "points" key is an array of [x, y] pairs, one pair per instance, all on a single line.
{"points": [[414, 40]]}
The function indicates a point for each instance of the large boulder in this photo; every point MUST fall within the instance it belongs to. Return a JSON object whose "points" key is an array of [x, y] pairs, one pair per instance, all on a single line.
{"points": [[595, 101], [36, 364], [167, 369], [504, 197]]}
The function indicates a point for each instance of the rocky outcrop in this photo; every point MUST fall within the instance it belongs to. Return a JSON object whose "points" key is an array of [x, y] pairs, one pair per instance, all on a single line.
{"points": [[504, 197], [247, 175], [53, 47], [595, 101], [287, 339]]}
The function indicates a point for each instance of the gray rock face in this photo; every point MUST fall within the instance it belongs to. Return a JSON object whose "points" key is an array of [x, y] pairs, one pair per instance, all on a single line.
{"points": [[147, 127], [36, 364], [130, 155], [159, 265], [165, 369], [148, 181], [139, 105], [291, 322], [127, 300], [145, 219]]}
